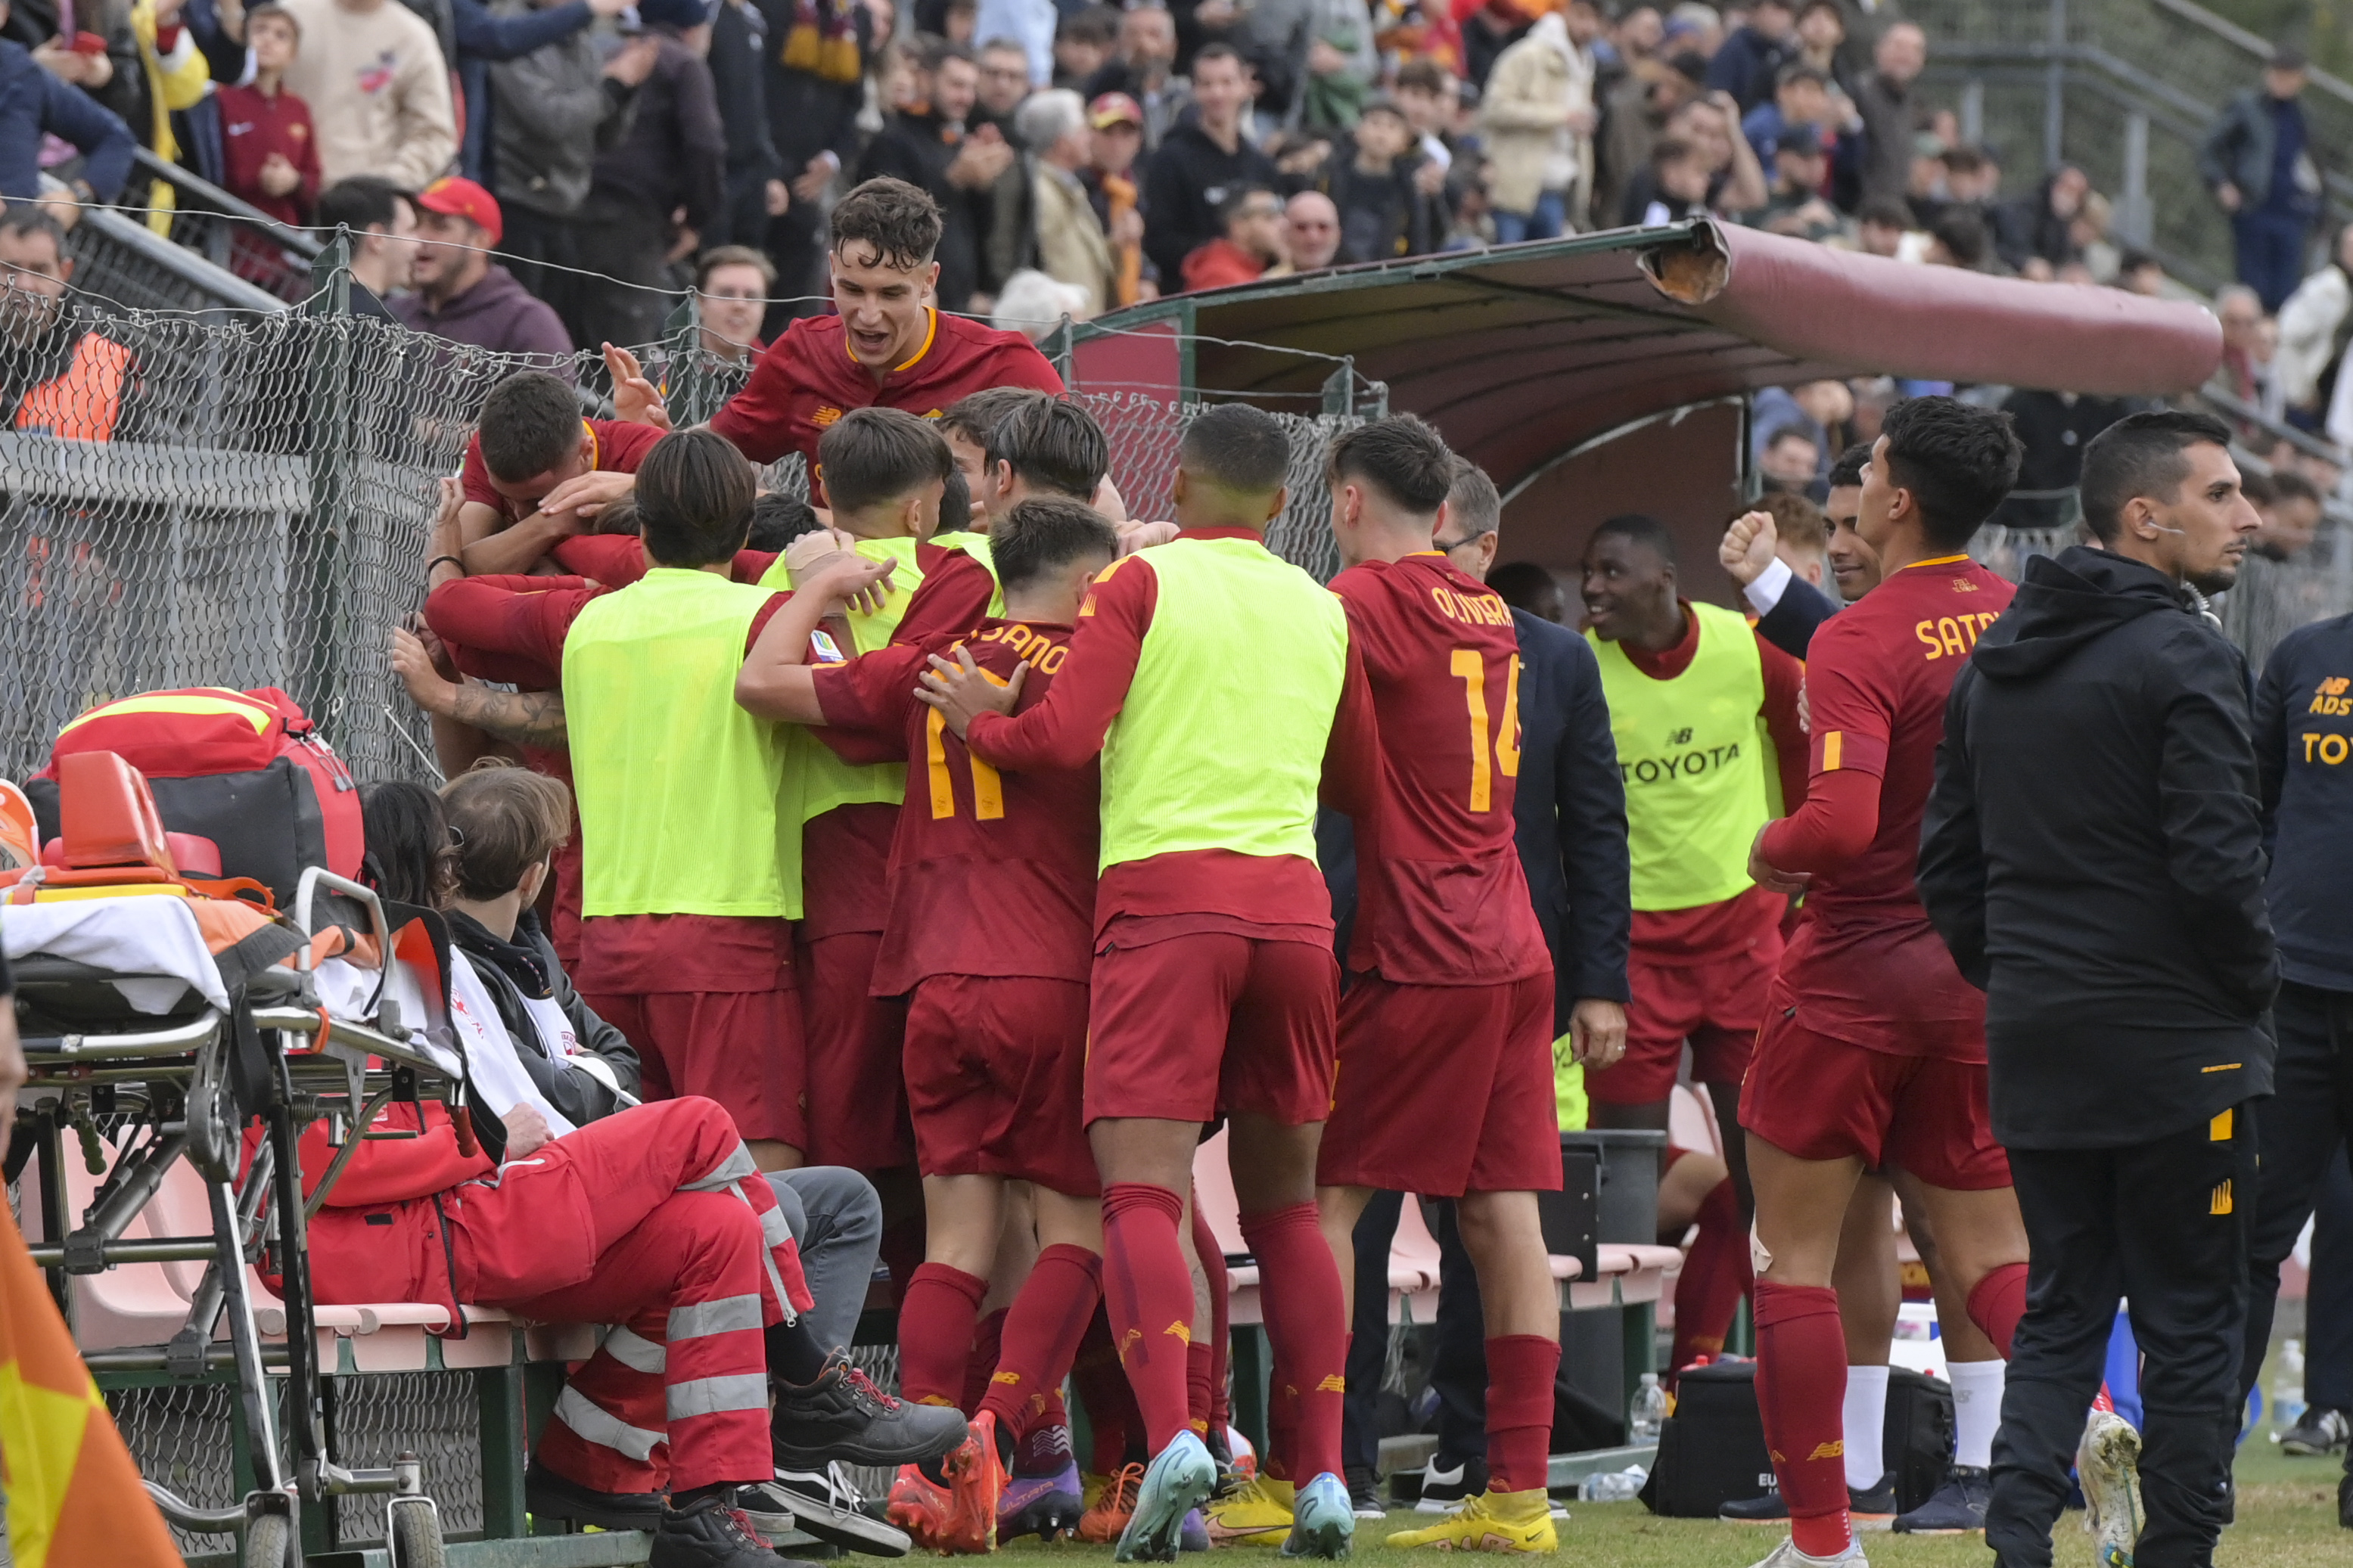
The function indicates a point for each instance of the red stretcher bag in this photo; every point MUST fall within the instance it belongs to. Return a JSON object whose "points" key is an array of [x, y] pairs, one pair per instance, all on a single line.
{"points": [[244, 769]]}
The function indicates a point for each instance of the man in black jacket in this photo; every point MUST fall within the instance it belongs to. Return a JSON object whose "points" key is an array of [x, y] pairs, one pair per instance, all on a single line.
{"points": [[1201, 164], [2093, 856], [939, 147], [2303, 751], [1571, 835]]}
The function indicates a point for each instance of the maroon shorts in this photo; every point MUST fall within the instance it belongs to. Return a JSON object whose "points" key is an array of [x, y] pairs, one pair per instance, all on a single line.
{"points": [[1715, 1005], [741, 1048], [1444, 1090], [996, 1075], [1819, 1097], [1187, 1027], [856, 1087]]}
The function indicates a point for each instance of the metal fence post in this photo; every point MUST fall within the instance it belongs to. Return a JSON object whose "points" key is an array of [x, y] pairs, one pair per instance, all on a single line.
{"points": [[326, 532], [1973, 110], [2054, 91], [2136, 220]]}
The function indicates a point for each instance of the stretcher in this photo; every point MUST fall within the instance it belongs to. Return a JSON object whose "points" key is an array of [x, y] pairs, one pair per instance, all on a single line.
{"points": [[155, 1218]]}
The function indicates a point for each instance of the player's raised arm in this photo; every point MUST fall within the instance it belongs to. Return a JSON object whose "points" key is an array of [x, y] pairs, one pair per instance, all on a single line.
{"points": [[776, 680]]}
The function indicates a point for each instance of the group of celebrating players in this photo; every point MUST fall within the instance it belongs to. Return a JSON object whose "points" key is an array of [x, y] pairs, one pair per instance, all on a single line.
{"points": [[972, 833]]}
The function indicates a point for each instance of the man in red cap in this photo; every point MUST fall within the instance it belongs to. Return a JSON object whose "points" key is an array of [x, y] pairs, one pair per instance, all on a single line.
{"points": [[462, 294]]}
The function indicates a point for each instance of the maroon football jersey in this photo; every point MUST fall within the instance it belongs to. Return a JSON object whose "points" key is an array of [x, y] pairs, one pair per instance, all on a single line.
{"points": [[1440, 899], [991, 872]]}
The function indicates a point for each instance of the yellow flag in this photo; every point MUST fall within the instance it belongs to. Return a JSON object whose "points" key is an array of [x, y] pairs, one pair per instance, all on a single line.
{"points": [[74, 1497]]}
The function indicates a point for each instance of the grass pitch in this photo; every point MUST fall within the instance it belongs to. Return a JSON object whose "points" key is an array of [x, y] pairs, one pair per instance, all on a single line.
{"points": [[2288, 1519]]}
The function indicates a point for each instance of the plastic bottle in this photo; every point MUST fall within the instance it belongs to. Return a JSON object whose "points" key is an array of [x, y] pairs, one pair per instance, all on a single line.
{"points": [[1648, 1412], [1613, 1486], [2288, 1387]]}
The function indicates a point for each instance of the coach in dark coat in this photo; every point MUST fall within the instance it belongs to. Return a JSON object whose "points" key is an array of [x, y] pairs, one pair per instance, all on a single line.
{"points": [[2093, 855]]}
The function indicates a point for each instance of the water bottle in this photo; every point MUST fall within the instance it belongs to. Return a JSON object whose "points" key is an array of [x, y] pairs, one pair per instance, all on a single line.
{"points": [[2288, 1387], [1613, 1486], [1648, 1412]]}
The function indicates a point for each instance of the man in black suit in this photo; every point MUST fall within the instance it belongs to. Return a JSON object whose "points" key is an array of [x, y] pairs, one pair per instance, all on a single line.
{"points": [[1788, 606], [1571, 831]]}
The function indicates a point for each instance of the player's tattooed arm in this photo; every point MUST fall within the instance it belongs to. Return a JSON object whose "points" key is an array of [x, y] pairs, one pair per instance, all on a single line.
{"points": [[524, 718]]}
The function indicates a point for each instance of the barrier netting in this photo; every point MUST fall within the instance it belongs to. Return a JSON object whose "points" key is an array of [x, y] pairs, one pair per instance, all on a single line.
{"points": [[231, 500]]}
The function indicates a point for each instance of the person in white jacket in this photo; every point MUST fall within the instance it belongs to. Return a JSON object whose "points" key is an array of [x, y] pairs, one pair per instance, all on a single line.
{"points": [[1538, 116], [2312, 323]]}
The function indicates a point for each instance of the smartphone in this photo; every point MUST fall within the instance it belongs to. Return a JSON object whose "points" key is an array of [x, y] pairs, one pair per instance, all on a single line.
{"points": [[89, 44]]}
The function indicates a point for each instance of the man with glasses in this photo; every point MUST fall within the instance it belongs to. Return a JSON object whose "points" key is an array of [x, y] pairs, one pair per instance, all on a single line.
{"points": [[1252, 246]]}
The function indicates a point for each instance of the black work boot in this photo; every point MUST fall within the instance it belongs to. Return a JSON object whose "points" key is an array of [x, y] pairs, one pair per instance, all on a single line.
{"points": [[711, 1532], [550, 1496], [844, 1416]]}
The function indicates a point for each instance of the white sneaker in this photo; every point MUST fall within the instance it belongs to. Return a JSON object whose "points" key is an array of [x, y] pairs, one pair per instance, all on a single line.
{"points": [[1786, 1555], [2108, 1463]]}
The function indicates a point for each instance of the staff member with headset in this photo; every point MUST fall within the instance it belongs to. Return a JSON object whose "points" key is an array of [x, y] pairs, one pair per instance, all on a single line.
{"points": [[2108, 895]]}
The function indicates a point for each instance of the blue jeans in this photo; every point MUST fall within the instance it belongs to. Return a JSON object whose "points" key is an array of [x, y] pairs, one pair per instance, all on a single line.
{"points": [[2270, 249], [837, 1223], [1548, 221]]}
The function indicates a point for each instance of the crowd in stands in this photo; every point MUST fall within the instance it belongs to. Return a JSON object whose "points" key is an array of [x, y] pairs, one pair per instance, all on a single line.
{"points": [[1087, 156]]}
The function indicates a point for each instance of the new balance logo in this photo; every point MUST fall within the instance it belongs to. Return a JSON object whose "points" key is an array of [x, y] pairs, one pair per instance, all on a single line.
{"points": [[1182, 1331], [1828, 1451], [2221, 1202], [1335, 1384], [1007, 1378]]}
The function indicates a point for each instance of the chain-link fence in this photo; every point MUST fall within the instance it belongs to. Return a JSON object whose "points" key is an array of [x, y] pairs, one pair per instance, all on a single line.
{"points": [[243, 500]]}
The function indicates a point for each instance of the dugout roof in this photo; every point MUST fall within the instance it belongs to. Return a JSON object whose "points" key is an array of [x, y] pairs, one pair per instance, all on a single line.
{"points": [[1520, 354]]}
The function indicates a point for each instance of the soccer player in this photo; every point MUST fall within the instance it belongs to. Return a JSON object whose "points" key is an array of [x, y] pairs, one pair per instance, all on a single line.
{"points": [[1693, 691], [885, 471], [884, 347], [1873, 1051], [991, 896], [687, 882], [1451, 978], [1220, 686], [531, 448], [1029, 445]]}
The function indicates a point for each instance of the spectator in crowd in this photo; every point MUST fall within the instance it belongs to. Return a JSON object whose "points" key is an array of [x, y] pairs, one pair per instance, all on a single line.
{"points": [[1492, 29], [656, 190], [1311, 224], [1386, 208], [1736, 180], [1141, 69], [1796, 206], [1748, 62], [730, 288], [1820, 410], [2312, 333], [270, 152], [112, 76], [462, 294], [1034, 304], [2054, 427], [173, 76], [1082, 43], [1314, 58], [558, 107], [1431, 99], [1679, 180], [1800, 97], [756, 191], [1112, 190], [2291, 508], [484, 39], [1793, 461], [1072, 247], [1821, 36], [928, 148], [2249, 344], [1538, 114], [1004, 66], [1251, 246], [1882, 227], [378, 88], [815, 84], [2137, 272], [1024, 27], [2041, 228], [1884, 100], [2257, 159], [35, 103], [1958, 238], [382, 218], [1634, 114], [1201, 163], [62, 376]]}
